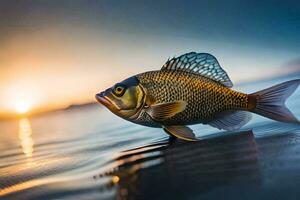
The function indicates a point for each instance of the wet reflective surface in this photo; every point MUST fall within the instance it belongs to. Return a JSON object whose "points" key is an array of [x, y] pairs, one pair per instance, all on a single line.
{"points": [[88, 153], [228, 167], [177, 169]]}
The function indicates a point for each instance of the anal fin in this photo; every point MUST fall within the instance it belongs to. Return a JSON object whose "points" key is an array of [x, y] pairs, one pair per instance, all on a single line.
{"points": [[182, 132], [231, 120]]}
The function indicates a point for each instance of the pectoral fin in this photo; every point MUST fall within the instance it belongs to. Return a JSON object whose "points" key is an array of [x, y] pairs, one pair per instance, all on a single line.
{"points": [[163, 111], [182, 132]]}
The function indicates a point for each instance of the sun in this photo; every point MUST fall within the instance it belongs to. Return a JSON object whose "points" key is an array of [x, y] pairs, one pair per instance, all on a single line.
{"points": [[22, 107]]}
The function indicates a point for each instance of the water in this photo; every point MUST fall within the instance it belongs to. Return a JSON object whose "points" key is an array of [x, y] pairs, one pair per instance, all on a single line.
{"points": [[88, 153]]}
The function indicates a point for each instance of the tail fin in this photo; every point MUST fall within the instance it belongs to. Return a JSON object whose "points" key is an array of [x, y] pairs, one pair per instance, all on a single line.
{"points": [[270, 102]]}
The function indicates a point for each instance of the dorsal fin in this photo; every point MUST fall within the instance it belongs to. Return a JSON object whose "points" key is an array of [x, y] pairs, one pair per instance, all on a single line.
{"points": [[203, 64]]}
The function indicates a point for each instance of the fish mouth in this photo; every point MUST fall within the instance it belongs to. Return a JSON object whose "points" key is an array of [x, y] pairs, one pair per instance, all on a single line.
{"points": [[103, 100]]}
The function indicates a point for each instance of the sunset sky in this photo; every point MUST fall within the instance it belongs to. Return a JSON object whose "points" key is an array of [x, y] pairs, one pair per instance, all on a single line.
{"points": [[57, 53]]}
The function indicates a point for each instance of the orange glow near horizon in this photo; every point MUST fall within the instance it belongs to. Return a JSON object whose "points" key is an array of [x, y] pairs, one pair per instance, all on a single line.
{"points": [[42, 75]]}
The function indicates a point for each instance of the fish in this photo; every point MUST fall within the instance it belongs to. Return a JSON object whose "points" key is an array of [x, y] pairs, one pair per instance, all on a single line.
{"points": [[192, 89]]}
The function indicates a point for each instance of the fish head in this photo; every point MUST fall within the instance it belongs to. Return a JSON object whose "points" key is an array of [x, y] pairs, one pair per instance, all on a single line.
{"points": [[124, 99]]}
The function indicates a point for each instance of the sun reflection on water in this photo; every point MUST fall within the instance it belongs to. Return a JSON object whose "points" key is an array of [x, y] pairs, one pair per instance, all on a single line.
{"points": [[25, 136]]}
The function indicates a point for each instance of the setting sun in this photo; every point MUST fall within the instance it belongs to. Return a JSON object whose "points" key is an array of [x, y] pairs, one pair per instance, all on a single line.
{"points": [[21, 97], [22, 107]]}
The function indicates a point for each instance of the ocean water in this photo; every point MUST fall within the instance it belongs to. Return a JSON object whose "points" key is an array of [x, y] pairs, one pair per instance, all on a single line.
{"points": [[89, 153]]}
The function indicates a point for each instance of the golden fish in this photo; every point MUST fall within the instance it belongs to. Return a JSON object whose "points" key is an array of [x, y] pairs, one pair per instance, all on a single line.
{"points": [[192, 89]]}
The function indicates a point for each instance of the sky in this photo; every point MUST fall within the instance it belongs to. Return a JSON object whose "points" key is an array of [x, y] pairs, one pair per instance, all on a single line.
{"points": [[57, 53]]}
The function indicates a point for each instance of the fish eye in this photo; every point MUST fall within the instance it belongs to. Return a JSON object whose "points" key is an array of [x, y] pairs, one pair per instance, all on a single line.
{"points": [[119, 90]]}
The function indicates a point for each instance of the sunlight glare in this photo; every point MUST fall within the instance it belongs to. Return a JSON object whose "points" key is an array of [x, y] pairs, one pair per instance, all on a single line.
{"points": [[22, 107], [25, 136]]}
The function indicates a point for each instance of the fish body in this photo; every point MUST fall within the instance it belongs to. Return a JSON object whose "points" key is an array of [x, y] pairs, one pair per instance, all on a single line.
{"points": [[192, 89], [205, 98]]}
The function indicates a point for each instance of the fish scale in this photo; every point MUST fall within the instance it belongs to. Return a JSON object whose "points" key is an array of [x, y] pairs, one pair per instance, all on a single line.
{"points": [[205, 98]]}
